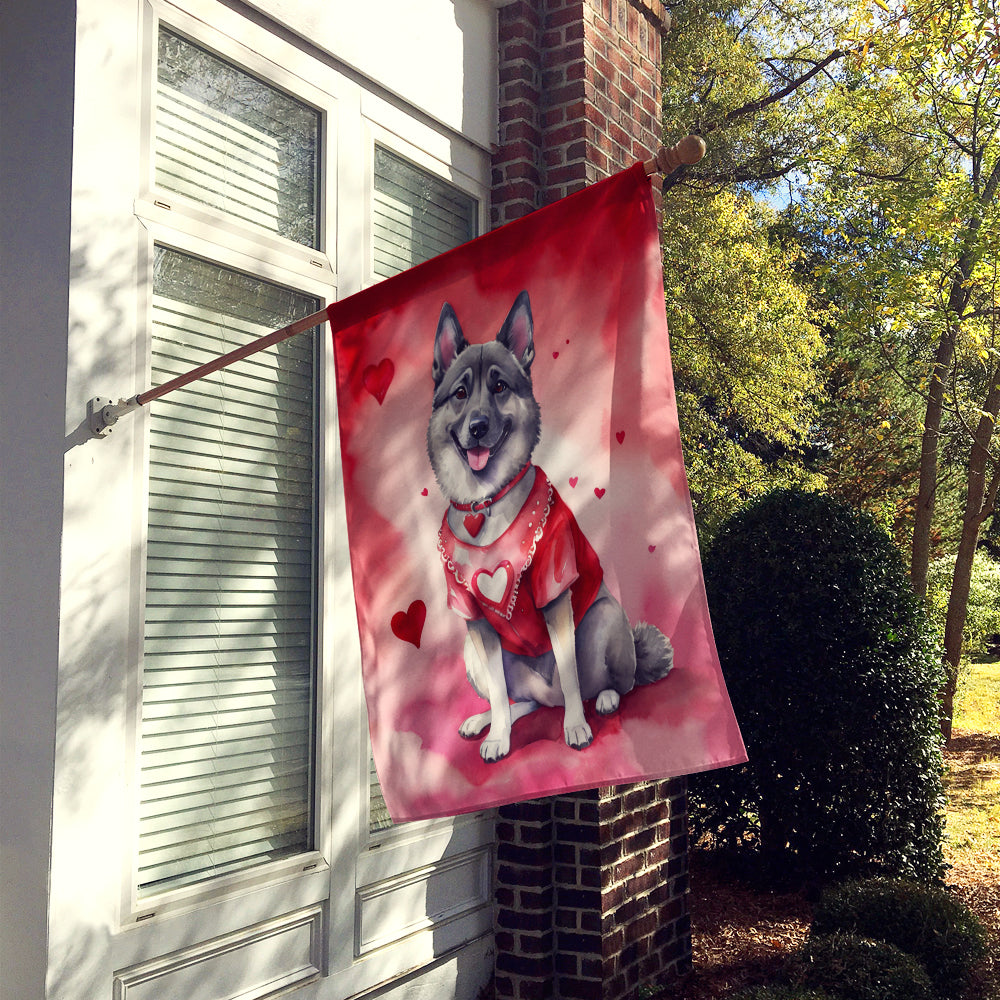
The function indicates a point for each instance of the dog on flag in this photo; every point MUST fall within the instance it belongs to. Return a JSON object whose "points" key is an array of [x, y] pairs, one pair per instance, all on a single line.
{"points": [[542, 626]]}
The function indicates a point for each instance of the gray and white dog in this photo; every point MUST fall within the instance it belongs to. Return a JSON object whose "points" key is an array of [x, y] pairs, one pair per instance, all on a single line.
{"points": [[543, 628]]}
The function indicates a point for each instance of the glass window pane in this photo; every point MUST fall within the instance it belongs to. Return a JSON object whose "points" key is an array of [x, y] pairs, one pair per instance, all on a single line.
{"points": [[231, 141], [416, 215], [228, 681]]}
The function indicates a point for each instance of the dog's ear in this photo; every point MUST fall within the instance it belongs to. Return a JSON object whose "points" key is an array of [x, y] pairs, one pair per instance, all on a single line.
{"points": [[448, 343], [518, 331]]}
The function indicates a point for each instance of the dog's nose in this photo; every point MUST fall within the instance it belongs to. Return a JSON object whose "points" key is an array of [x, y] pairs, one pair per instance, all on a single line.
{"points": [[478, 426]]}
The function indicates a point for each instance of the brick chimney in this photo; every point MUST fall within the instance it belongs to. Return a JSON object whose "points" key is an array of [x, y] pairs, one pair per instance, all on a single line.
{"points": [[591, 888]]}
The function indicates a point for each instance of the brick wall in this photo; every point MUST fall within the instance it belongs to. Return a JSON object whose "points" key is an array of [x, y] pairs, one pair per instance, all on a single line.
{"points": [[579, 96], [591, 888]]}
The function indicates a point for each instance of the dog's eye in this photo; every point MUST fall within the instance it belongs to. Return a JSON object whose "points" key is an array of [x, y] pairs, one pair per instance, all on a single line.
{"points": [[499, 386], [461, 392]]}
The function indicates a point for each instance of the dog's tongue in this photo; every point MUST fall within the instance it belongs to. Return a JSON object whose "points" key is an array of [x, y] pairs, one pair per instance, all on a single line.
{"points": [[478, 457]]}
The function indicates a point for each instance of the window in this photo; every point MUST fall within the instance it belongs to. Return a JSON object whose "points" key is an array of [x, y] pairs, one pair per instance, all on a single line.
{"points": [[227, 140], [229, 646], [416, 215], [228, 688], [252, 808]]}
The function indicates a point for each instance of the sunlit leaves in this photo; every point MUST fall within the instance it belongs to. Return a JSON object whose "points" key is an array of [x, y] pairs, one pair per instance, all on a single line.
{"points": [[746, 352]]}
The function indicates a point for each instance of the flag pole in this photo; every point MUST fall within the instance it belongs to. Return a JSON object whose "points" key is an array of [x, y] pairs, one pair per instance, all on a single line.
{"points": [[103, 413]]}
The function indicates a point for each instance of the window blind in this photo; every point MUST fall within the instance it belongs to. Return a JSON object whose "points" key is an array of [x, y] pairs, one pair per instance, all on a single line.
{"points": [[226, 756], [415, 217], [228, 140]]}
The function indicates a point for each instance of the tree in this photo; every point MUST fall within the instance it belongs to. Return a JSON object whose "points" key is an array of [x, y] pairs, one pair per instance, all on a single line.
{"points": [[746, 355], [746, 350], [913, 184], [879, 123]]}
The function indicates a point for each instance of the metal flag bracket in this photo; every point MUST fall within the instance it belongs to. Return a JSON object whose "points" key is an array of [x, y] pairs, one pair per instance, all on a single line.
{"points": [[103, 413]]}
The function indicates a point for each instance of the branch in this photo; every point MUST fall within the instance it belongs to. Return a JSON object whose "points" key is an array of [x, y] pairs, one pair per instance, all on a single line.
{"points": [[754, 106]]}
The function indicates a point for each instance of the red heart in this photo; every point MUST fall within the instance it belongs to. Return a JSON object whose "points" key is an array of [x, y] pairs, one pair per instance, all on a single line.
{"points": [[408, 625], [652, 548], [598, 492], [423, 492], [473, 523], [573, 480], [555, 354], [378, 378], [621, 436]]}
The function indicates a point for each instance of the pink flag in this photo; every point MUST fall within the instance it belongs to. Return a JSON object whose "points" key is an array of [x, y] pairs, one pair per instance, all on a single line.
{"points": [[526, 571]]}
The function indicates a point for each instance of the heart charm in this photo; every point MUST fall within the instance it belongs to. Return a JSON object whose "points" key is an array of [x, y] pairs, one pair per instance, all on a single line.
{"points": [[495, 587], [409, 625], [378, 378], [473, 523]]}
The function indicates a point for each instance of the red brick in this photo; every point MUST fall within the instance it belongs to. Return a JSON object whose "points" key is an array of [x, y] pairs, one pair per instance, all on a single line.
{"points": [[567, 174], [518, 49], [519, 111], [562, 53], [521, 93], [573, 988]]}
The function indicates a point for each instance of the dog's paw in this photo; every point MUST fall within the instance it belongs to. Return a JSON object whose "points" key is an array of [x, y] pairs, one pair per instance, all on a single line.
{"points": [[579, 737], [496, 748], [607, 702], [474, 725]]}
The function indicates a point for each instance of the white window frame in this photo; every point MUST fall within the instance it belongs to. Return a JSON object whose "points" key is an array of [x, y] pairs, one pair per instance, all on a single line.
{"points": [[350, 873]]}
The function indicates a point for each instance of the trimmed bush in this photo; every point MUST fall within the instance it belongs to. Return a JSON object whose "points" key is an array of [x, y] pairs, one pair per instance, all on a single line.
{"points": [[856, 968], [925, 922], [833, 672]]}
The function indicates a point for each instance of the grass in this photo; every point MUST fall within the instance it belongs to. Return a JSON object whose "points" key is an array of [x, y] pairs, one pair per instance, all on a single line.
{"points": [[973, 808], [978, 698], [973, 781]]}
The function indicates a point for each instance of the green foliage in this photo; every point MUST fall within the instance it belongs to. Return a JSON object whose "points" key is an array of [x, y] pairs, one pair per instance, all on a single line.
{"points": [[926, 922], [983, 613], [745, 344], [780, 992], [857, 968], [738, 73], [833, 674], [746, 355]]}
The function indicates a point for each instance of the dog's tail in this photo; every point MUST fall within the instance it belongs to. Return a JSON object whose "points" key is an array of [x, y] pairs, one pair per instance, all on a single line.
{"points": [[653, 654]]}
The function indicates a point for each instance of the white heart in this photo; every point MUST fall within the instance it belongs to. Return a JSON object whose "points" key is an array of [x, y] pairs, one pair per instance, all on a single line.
{"points": [[493, 586]]}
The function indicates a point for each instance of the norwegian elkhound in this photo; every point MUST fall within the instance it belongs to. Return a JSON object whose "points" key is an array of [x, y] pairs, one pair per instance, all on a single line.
{"points": [[543, 628]]}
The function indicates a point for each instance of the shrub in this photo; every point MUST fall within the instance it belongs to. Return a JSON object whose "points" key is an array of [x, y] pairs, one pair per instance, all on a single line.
{"points": [[782, 993], [833, 673], [926, 922], [856, 968]]}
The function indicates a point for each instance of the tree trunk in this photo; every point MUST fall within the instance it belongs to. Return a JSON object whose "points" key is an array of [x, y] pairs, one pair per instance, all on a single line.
{"points": [[979, 503], [958, 299], [920, 553]]}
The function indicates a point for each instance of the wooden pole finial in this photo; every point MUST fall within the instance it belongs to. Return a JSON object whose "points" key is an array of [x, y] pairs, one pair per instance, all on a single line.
{"points": [[668, 158]]}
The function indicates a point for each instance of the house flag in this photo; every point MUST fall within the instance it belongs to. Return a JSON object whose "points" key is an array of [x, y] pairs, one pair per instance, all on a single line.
{"points": [[526, 574]]}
